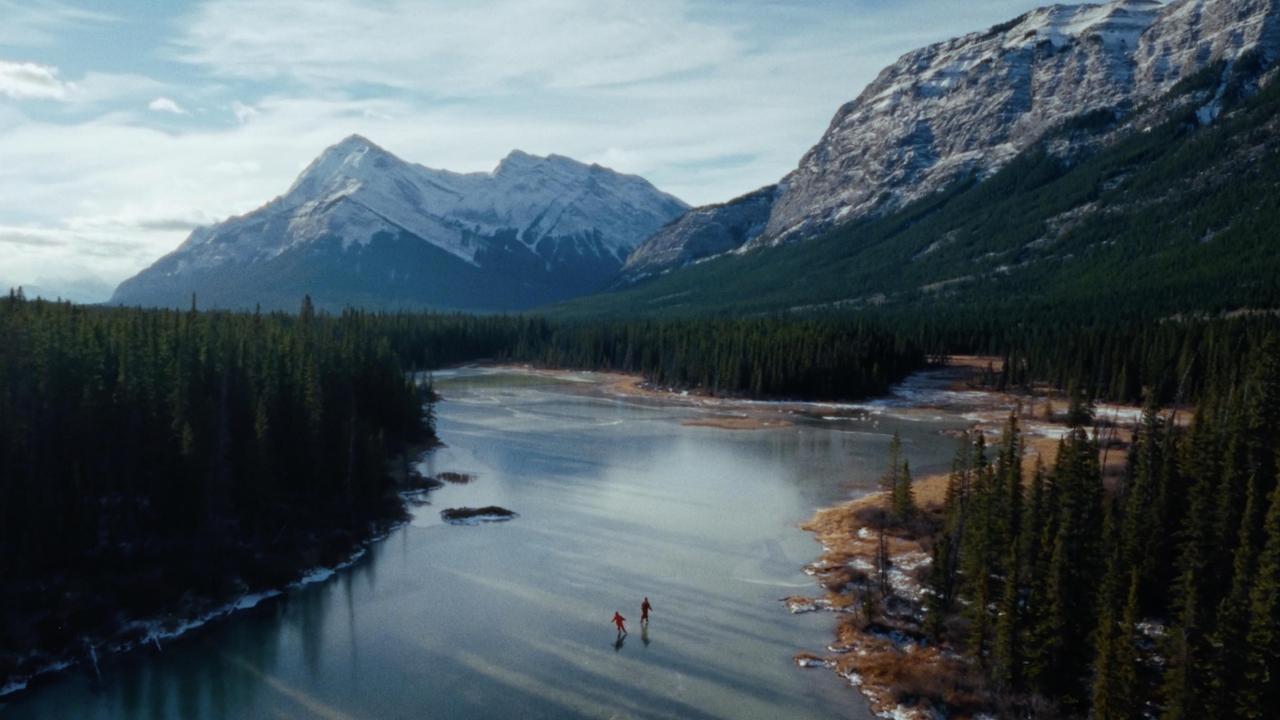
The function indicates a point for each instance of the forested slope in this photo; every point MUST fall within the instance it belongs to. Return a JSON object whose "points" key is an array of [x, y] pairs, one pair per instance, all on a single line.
{"points": [[1164, 218]]}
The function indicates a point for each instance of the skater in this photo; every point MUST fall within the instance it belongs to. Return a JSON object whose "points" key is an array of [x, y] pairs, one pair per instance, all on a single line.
{"points": [[619, 621], [645, 607]]}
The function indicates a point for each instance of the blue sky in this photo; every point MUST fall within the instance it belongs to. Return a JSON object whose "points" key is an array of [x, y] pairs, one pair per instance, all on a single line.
{"points": [[125, 124]]}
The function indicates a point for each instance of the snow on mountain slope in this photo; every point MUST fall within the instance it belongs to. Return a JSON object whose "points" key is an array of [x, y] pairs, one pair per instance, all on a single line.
{"points": [[964, 107], [1193, 33], [553, 221], [959, 108], [702, 232]]}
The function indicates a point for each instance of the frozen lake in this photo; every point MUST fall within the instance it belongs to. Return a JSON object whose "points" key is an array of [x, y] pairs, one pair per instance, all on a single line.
{"points": [[617, 500]]}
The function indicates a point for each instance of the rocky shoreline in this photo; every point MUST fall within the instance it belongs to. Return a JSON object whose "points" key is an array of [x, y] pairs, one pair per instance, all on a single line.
{"points": [[883, 650]]}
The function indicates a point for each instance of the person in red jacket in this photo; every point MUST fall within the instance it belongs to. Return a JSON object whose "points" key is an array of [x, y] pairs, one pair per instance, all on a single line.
{"points": [[645, 607], [619, 620]]}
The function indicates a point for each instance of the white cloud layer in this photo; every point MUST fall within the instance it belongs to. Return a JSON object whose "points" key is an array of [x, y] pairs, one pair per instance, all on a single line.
{"points": [[466, 49]]}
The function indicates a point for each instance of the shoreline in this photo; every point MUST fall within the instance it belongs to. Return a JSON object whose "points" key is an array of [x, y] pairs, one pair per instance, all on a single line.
{"points": [[888, 658], [884, 658], [134, 634]]}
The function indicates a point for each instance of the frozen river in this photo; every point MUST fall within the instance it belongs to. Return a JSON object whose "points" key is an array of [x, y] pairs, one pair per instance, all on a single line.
{"points": [[618, 499]]}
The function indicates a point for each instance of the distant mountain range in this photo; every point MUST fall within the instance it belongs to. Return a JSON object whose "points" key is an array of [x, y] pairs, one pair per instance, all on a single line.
{"points": [[961, 174], [362, 227]]}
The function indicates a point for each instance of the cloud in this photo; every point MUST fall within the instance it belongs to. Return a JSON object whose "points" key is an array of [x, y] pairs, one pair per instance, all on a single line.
{"points": [[37, 23], [35, 81], [31, 81], [244, 113], [164, 104], [32, 237], [456, 49]]}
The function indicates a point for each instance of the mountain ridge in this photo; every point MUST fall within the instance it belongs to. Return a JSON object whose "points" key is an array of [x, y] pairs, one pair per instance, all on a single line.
{"points": [[1157, 215], [963, 108], [534, 229]]}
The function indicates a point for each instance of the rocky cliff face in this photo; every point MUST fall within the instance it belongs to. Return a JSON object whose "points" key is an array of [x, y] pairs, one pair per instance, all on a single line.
{"points": [[1192, 34], [361, 226], [964, 107], [702, 232]]}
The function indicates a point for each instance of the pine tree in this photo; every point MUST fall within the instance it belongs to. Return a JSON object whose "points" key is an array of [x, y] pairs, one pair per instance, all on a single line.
{"points": [[904, 495], [1124, 665], [1143, 523], [1260, 690], [1115, 664], [889, 481], [1225, 664], [941, 587], [1183, 682], [1006, 662], [1045, 650]]}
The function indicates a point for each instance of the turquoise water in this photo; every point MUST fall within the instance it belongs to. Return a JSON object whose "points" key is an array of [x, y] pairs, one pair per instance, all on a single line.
{"points": [[617, 500]]}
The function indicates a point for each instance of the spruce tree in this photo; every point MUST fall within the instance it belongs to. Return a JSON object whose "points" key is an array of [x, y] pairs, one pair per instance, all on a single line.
{"points": [[1225, 664], [1259, 694], [904, 495], [1006, 662], [889, 480]]}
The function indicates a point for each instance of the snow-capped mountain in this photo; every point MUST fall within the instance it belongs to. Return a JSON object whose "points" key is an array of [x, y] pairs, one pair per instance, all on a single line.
{"points": [[361, 226], [964, 107], [703, 232]]}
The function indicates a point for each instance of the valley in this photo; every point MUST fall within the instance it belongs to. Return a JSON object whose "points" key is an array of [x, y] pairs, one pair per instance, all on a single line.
{"points": [[358, 437]]}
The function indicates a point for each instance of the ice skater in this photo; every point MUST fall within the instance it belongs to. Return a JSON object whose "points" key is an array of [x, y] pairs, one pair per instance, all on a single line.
{"points": [[620, 622], [645, 607]]}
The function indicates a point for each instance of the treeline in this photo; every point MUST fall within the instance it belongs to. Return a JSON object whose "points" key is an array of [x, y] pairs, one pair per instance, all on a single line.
{"points": [[776, 357], [826, 358], [1156, 594], [149, 454], [1175, 360]]}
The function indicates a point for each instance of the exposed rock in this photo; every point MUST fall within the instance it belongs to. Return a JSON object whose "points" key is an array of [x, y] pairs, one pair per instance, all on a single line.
{"points": [[964, 107], [701, 233], [475, 516]]}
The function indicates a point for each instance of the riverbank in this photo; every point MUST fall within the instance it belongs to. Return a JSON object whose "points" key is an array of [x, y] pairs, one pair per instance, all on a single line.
{"points": [[283, 568], [882, 649]]}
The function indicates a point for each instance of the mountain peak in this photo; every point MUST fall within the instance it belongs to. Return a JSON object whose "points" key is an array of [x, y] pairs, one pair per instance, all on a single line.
{"points": [[355, 139], [963, 107], [360, 225], [354, 146], [355, 157], [519, 161], [516, 160], [1116, 24]]}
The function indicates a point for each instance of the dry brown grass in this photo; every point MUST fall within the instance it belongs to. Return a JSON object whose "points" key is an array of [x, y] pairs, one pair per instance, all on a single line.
{"points": [[923, 678], [889, 676]]}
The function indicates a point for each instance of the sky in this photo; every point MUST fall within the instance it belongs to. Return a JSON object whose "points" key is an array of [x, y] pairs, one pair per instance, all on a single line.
{"points": [[125, 124]]}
